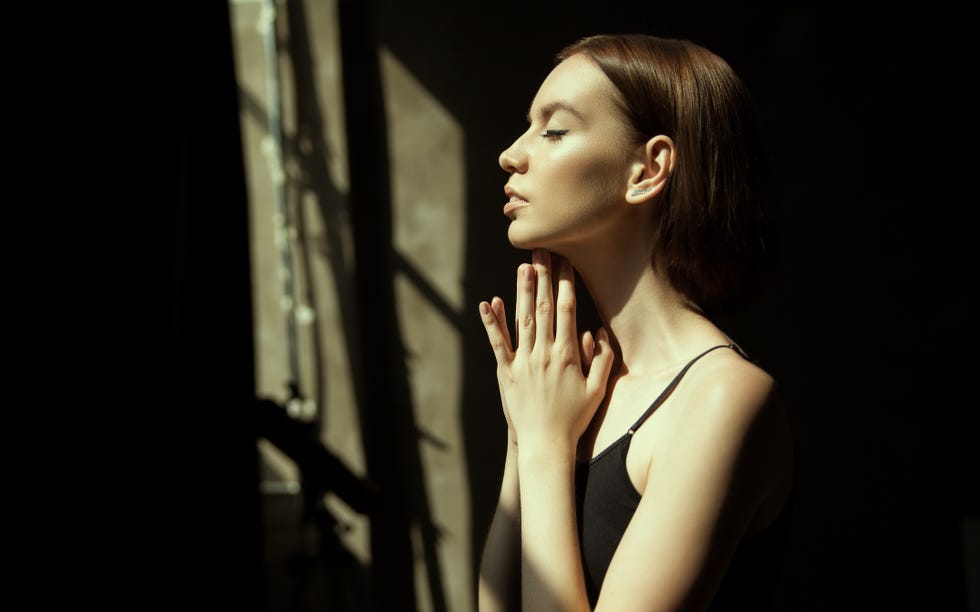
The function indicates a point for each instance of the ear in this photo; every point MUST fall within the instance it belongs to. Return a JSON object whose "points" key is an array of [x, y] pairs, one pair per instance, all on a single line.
{"points": [[650, 171]]}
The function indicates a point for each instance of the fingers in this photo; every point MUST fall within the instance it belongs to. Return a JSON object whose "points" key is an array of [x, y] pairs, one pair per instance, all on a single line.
{"points": [[524, 309], [601, 364], [496, 332], [540, 317], [497, 305], [565, 304], [587, 351], [544, 303]]}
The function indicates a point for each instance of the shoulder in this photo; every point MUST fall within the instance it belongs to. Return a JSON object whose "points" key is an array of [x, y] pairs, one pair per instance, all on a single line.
{"points": [[732, 409], [730, 389], [715, 476]]}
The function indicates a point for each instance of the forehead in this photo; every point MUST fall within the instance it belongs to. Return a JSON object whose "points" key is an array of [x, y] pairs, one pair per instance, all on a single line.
{"points": [[577, 82]]}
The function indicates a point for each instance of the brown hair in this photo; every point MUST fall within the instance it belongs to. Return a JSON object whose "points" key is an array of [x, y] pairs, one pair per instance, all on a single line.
{"points": [[709, 223]]}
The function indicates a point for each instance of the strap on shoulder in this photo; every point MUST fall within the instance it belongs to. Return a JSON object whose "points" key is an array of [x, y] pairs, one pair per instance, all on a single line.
{"points": [[673, 384]]}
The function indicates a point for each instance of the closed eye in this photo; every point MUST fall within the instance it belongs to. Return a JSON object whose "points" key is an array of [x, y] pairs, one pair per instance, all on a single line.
{"points": [[555, 134]]}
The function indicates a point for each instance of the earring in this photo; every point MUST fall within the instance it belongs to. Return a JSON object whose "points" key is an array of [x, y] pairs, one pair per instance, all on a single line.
{"points": [[639, 191]]}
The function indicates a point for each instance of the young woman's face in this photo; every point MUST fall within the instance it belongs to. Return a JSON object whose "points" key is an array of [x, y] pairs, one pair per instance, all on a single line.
{"points": [[569, 171]]}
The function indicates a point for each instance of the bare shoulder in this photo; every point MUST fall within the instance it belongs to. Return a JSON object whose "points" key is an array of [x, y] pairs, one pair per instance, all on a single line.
{"points": [[718, 473], [730, 388], [732, 402]]}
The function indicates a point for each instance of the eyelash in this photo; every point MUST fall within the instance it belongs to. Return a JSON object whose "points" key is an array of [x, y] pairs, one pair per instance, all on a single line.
{"points": [[554, 134]]}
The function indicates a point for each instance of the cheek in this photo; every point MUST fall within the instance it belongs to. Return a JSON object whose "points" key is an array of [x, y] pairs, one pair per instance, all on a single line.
{"points": [[596, 176]]}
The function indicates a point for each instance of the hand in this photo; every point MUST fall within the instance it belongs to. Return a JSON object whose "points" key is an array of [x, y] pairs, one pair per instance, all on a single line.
{"points": [[553, 382]]}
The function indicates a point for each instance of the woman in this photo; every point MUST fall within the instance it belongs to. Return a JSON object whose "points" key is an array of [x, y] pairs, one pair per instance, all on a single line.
{"points": [[649, 465]]}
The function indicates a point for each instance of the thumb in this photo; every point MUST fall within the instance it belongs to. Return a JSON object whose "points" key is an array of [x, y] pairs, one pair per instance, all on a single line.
{"points": [[602, 361]]}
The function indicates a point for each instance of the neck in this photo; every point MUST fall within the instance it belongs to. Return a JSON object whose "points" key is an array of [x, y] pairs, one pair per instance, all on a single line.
{"points": [[651, 325]]}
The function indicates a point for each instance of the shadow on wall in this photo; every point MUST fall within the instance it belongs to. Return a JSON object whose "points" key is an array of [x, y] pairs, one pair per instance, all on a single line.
{"points": [[329, 574], [375, 351], [822, 329]]}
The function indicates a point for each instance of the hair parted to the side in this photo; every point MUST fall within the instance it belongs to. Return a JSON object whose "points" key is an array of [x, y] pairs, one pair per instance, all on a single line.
{"points": [[710, 226]]}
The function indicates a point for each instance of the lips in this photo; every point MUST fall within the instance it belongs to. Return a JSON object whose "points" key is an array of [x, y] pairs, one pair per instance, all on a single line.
{"points": [[516, 201]]}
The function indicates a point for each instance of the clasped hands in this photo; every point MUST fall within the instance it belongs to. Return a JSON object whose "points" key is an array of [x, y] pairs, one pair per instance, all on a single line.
{"points": [[553, 380]]}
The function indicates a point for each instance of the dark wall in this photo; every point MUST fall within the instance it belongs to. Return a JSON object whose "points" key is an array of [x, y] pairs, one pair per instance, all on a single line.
{"points": [[865, 117], [864, 113], [166, 515]]}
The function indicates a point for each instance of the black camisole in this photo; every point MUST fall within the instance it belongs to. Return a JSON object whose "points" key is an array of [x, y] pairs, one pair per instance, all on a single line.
{"points": [[606, 500]]}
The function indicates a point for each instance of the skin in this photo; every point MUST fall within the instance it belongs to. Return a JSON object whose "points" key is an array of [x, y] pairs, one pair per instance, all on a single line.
{"points": [[713, 464]]}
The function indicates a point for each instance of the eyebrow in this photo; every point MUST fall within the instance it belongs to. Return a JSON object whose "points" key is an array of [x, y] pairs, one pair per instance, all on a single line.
{"points": [[552, 107]]}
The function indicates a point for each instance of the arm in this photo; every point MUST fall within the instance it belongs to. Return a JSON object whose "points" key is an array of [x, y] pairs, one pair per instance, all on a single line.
{"points": [[500, 578], [550, 389], [551, 568], [701, 494]]}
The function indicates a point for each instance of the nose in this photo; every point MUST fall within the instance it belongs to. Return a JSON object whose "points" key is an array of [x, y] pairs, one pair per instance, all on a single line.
{"points": [[513, 158]]}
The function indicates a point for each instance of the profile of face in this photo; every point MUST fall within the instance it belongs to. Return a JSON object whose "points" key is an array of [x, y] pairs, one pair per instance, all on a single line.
{"points": [[570, 171]]}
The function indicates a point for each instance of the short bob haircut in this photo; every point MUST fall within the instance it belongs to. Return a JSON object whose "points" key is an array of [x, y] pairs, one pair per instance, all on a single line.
{"points": [[710, 225]]}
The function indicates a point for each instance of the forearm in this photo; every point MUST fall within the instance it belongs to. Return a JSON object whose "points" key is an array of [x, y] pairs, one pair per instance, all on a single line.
{"points": [[500, 564], [552, 576]]}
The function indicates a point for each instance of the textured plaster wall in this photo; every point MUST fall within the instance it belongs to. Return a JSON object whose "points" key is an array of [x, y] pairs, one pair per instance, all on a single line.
{"points": [[427, 180]]}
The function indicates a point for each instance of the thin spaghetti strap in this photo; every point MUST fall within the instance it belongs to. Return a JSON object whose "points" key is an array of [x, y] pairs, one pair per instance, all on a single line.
{"points": [[677, 379]]}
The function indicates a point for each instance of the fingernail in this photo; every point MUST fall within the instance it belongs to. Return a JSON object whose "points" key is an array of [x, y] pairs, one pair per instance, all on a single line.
{"points": [[529, 272], [484, 308]]}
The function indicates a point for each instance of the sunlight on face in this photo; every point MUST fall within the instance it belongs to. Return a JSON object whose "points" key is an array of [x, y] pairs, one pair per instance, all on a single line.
{"points": [[570, 169]]}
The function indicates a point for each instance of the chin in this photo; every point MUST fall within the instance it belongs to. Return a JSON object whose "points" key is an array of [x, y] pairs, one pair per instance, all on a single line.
{"points": [[529, 241], [521, 240]]}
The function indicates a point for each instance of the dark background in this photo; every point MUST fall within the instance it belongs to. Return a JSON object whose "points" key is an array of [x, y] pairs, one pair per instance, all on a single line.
{"points": [[870, 124]]}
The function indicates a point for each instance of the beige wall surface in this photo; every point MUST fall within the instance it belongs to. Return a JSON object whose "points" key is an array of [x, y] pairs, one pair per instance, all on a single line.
{"points": [[302, 266]]}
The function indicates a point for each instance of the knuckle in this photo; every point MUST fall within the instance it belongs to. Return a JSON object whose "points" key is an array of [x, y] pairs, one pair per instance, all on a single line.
{"points": [[566, 354], [527, 321], [565, 305], [543, 307]]}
